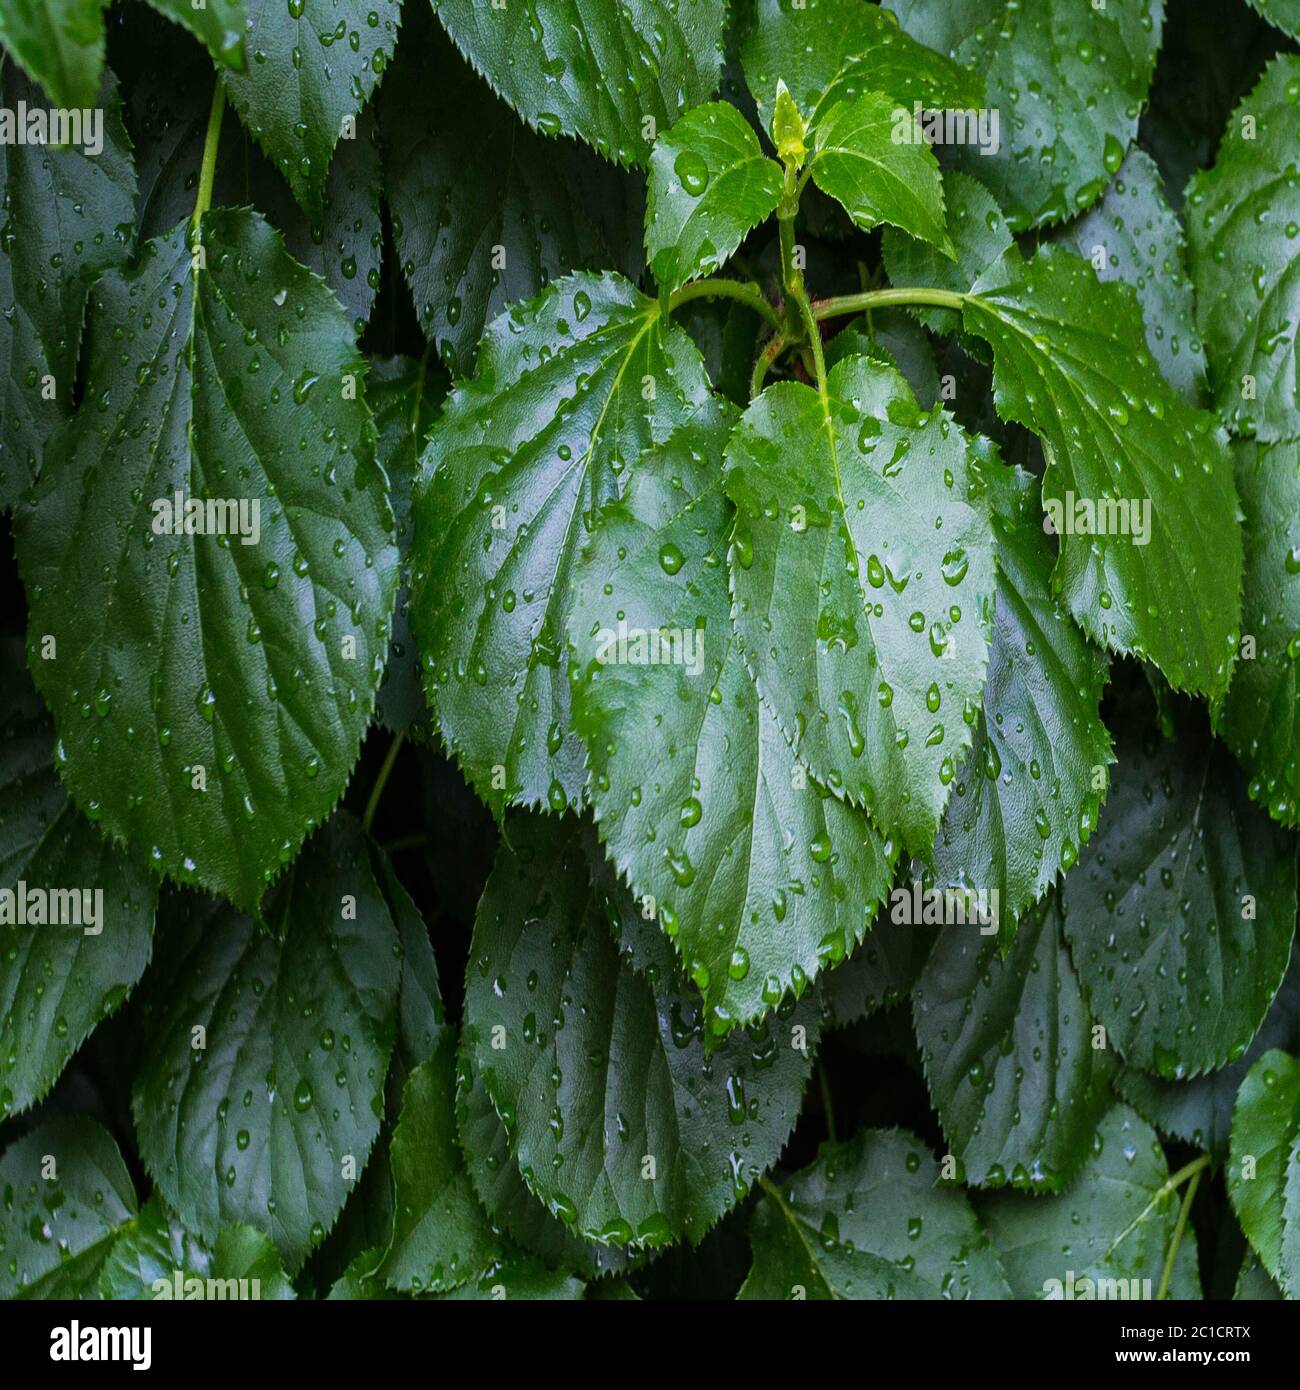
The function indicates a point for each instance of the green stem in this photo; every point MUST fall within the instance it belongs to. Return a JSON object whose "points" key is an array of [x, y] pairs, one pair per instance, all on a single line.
{"points": [[776, 345], [749, 295], [1184, 1212], [878, 299], [381, 782], [827, 1107], [208, 169]]}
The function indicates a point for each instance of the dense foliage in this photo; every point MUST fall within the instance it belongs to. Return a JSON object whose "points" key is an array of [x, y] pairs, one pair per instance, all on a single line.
{"points": [[652, 648]]}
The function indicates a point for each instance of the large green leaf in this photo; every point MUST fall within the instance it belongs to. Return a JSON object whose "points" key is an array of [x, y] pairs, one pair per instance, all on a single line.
{"points": [[710, 184], [1264, 1165], [267, 1116], [1182, 911], [571, 388], [1068, 79], [759, 875], [312, 66], [1029, 794], [1010, 1054], [862, 580], [157, 1258], [485, 211], [1134, 236], [1126, 455], [255, 663], [1261, 717], [828, 50], [60, 44], [219, 26], [441, 1236], [1199, 1111], [858, 160], [871, 1219], [58, 978], [611, 72], [67, 217], [619, 1118], [1115, 1223], [67, 1197], [1241, 225]]}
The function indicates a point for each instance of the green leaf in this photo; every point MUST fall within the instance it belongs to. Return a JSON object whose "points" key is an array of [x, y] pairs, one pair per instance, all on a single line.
{"points": [[862, 579], [67, 217], [58, 978], [979, 238], [502, 1190], [256, 663], [1246, 262], [441, 1237], [871, 1219], [1115, 1223], [1253, 1282], [858, 161], [1135, 232], [1181, 913], [1284, 14], [571, 389], [1258, 721], [1199, 1111], [60, 44], [611, 73], [1071, 364], [1068, 80], [67, 1197], [485, 211], [218, 26], [1027, 797], [521, 1279], [1010, 1054], [255, 1125], [828, 50], [404, 395], [710, 184], [312, 68], [157, 1258], [1266, 1194], [759, 876], [620, 1120]]}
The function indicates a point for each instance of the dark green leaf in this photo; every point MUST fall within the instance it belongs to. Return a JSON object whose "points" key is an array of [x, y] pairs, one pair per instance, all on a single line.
{"points": [[276, 1105], [1159, 573], [1181, 913], [879, 974], [255, 663], [59, 975], [1246, 260], [312, 67], [619, 1118], [1011, 1055], [862, 580], [760, 876], [571, 388], [1259, 718], [67, 1196], [611, 73], [1067, 80], [871, 1219]]}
